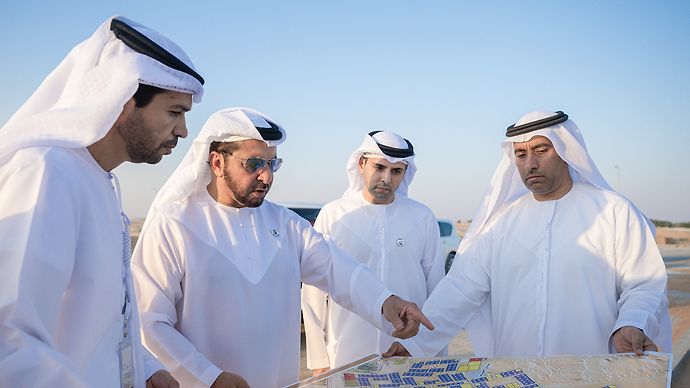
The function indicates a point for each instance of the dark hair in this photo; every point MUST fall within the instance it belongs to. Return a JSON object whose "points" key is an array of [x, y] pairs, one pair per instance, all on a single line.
{"points": [[144, 95], [223, 147]]}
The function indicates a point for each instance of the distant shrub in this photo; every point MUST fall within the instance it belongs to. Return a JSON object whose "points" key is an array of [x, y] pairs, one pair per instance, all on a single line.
{"points": [[668, 224], [659, 223]]}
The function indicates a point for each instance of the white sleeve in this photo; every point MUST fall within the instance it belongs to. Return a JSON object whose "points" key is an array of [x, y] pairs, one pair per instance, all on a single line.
{"points": [[641, 278], [433, 262], [38, 235], [348, 282], [454, 301], [314, 314], [151, 363], [158, 273]]}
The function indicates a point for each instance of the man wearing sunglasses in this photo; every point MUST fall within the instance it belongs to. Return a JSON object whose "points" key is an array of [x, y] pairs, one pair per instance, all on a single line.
{"points": [[68, 315], [218, 268], [395, 236]]}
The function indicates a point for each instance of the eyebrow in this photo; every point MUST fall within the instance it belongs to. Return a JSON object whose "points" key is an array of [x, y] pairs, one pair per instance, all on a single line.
{"points": [[185, 108], [523, 147], [541, 145]]}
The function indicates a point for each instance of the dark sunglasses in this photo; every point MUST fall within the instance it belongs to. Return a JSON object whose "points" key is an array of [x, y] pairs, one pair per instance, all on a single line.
{"points": [[252, 165]]}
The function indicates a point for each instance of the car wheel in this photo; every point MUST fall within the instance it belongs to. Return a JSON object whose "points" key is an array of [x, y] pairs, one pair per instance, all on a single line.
{"points": [[449, 261]]}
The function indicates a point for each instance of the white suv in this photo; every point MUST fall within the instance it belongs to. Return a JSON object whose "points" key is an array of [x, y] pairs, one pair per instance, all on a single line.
{"points": [[449, 240]]}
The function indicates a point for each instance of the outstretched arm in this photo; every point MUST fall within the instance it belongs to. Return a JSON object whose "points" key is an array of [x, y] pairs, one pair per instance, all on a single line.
{"points": [[353, 286], [454, 301]]}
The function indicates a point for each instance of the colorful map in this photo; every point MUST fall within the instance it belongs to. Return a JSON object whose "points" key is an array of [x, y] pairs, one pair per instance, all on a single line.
{"points": [[601, 371]]}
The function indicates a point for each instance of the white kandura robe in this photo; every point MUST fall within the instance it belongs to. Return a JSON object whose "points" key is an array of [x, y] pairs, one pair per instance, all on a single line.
{"points": [[400, 243], [559, 276], [219, 289], [61, 266]]}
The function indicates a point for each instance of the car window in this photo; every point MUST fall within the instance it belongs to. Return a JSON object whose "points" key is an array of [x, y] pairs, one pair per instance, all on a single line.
{"points": [[446, 228]]}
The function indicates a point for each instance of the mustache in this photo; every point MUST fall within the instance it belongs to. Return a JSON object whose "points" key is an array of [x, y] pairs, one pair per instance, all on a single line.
{"points": [[533, 173], [170, 143], [261, 186]]}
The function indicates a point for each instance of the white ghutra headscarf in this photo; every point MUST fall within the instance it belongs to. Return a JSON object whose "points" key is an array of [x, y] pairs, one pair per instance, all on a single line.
{"points": [[79, 101], [382, 145], [227, 125], [506, 185]]}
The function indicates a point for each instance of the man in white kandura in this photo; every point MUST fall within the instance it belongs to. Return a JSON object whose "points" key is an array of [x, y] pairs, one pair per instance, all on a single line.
{"points": [[68, 316], [218, 269], [378, 224], [555, 262]]}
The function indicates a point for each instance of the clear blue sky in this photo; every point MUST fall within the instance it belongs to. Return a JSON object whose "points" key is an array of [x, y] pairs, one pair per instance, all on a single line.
{"points": [[448, 75]]}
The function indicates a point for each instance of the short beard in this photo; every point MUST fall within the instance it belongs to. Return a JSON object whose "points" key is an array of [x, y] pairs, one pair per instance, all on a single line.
{"points": [[137, 137], [380, 197], [244, 199]]}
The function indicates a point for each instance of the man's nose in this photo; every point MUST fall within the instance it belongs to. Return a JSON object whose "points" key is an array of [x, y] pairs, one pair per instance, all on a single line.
{"points": [[265, 175], [180, 129], [385, 176], [531, 161]]}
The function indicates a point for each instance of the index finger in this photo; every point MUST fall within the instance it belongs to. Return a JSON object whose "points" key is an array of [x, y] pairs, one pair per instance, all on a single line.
{"points": [[409, 330], [419, 316]]}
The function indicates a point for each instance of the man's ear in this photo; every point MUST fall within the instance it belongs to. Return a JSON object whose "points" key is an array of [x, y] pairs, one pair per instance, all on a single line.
{"points": [[361, 163], [217, 163]]}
